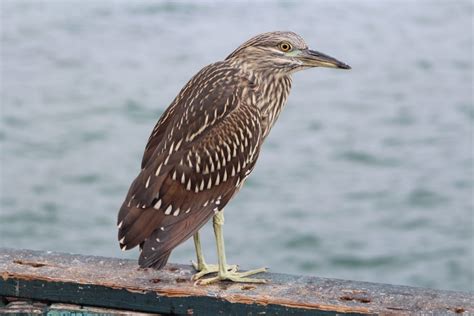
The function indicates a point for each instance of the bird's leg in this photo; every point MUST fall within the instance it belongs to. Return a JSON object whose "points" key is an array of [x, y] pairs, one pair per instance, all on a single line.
{"points": [[201, 263], [201, 266], [223, 273]]}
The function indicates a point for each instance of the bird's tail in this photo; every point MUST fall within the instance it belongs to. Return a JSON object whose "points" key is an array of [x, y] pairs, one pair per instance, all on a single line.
{"points": [[158, 263], [157, 248]]}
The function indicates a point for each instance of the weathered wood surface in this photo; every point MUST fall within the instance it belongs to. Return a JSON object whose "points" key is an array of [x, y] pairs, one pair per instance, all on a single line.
{"points": [[120, 284], [25, 307]]}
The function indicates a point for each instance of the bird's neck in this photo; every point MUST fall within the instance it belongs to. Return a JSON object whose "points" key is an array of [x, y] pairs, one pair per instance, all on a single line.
{"points": [[274, 90], [273, 87], [274, 95]]}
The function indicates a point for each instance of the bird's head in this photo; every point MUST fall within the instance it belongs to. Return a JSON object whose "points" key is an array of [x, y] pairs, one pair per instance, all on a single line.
{"points": [[281, 52]]}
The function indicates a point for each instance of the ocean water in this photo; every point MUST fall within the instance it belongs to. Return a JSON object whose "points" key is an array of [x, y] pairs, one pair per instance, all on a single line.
{"points": [[367, 175]]}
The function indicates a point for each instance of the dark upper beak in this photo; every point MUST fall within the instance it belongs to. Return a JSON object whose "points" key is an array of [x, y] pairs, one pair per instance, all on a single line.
{"points": [[312, 58]]}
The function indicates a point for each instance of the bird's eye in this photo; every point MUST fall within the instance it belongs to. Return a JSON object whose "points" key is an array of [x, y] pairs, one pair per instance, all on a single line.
{"points": [[285, 47]]}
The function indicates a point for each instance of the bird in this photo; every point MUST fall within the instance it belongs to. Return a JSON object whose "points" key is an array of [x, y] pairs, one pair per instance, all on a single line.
{"points": [[205, 145]]}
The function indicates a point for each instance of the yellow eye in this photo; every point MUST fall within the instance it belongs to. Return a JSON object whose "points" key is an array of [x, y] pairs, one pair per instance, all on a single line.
{"points": [[285, 47]]}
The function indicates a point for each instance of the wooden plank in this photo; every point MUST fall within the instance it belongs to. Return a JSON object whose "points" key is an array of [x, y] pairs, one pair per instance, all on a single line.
{"points": [[120, 284], [24, 307]]}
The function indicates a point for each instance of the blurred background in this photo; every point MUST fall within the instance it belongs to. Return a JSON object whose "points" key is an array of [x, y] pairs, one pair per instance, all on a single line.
{"points": [[367, 175]]}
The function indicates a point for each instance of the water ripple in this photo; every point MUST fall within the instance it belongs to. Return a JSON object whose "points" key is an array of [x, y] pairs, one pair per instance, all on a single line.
{"points": [[368, 159]]}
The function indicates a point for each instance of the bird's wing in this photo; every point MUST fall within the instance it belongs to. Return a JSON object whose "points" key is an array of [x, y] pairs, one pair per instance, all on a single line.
{"points": [[158, 132], [206, 150]]}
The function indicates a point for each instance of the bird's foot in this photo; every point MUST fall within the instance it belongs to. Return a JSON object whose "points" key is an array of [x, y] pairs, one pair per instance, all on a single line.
{"points": [[205, 269], [235, 276]]}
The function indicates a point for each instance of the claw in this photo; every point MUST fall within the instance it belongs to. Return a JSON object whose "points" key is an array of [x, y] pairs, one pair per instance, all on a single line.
{"points": [[234, 276], [205, 269]]}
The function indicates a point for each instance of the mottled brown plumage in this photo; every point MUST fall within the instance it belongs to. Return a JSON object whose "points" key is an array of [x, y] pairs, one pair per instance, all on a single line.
{"points": [[206, 143]]}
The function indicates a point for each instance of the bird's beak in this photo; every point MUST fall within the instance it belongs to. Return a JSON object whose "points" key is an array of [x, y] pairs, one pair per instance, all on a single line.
{"points": [[312, 58]]}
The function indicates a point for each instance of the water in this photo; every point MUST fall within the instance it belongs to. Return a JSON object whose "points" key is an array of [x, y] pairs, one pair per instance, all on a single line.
{"points": [[368, 174]]}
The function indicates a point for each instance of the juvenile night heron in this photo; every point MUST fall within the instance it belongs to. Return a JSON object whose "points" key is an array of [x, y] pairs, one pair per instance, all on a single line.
{"points": [[205, 145]]}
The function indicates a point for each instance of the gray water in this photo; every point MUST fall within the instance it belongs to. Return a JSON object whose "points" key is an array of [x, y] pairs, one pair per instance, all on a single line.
{"points": [[367, 175]]}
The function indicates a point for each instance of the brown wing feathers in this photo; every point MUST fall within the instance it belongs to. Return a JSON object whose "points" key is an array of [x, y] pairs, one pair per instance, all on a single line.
{"points": [[195, 160]]}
